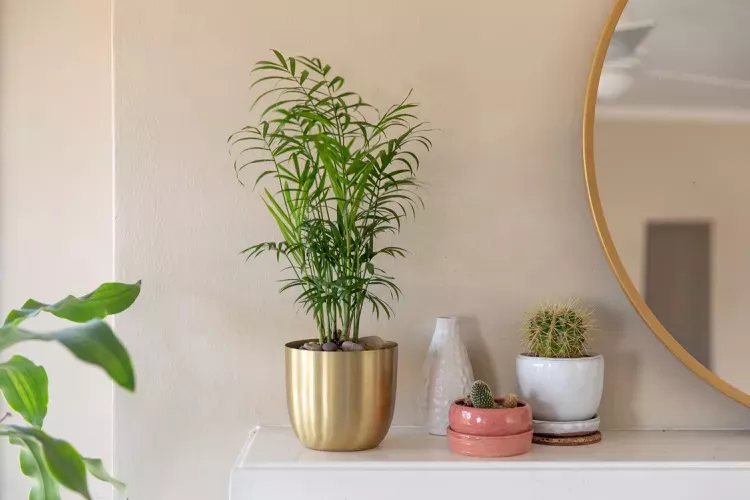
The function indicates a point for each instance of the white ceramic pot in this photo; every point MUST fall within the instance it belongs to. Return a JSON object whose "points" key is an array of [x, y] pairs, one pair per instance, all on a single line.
{"points": [[561, 389]]}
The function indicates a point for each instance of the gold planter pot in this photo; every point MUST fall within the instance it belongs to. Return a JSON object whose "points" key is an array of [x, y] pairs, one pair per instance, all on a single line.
{"points": [[341, 401]]}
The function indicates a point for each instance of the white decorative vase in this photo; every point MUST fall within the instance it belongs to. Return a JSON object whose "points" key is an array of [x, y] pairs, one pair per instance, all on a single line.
{"points": [[448, 374], [561, 389]]}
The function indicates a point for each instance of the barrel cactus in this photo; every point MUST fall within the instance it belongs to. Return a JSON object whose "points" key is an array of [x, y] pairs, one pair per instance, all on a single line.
{"points": [[558, 331]]}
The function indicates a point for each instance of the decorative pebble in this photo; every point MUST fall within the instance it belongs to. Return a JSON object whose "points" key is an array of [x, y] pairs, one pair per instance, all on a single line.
{"points": [[348, 345], [330, 346], [372, 343], [312, 346]]}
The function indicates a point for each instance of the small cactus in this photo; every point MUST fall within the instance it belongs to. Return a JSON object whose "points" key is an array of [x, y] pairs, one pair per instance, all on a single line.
{"points": [[510, 401], [481, 395], [558, 331]]}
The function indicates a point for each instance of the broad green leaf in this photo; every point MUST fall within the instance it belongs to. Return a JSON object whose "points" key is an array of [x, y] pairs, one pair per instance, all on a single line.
{"points": [[315, 88], [309, 63], [24, 386], [337, 81], [109, 298], [33, 465], [262, 175], [280, 58], [316, 117], [265, 65], [272, 77], [96, 468], [65, 464], [93, 342]]}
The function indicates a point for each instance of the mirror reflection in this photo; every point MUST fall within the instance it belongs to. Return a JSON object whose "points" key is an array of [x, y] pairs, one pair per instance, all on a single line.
{"points": [[672, 151]]}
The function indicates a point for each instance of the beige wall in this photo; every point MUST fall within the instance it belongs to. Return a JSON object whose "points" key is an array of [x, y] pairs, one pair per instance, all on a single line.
{"points": [[56, 197], [662, 170], [506, 225], [507, 222]]}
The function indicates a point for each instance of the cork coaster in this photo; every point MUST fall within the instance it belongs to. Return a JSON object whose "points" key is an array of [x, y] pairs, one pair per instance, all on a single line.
{"points": [[567, 440]]}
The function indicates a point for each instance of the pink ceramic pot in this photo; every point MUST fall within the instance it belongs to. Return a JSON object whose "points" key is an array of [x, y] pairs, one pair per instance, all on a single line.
{"points": [[489, 446], [490, 421]]}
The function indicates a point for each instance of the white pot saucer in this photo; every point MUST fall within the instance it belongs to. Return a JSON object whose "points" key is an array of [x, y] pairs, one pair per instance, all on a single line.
{"points": [[578, 428]]}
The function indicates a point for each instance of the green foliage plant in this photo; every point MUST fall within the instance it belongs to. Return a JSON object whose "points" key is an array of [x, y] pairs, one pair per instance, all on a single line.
{"points": [[558, 331], [52, 462], [338, 174]]}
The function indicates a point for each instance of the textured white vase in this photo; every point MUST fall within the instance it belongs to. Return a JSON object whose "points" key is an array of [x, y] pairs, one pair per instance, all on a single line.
{"points": [[561, 389], [448, 374]]}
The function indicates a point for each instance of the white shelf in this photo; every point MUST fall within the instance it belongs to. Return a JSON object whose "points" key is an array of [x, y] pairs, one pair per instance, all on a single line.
{"points": [[411, 464]]}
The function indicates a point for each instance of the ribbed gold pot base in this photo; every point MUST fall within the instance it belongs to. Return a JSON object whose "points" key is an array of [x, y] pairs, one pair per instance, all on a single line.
{"points": [[341, 401]]}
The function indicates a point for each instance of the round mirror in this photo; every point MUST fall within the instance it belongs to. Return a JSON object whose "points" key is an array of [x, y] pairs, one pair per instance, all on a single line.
{"points": [[667, 157]]}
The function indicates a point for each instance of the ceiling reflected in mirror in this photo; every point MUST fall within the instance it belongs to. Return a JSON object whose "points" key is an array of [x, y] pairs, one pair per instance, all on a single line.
{"points": [[681, 57]]}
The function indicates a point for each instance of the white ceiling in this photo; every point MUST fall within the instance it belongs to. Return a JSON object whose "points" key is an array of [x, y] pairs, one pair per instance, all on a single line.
{"points": [[697, 57]]}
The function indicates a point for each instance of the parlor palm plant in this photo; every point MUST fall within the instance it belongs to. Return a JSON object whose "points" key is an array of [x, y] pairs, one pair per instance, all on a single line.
{"points": [[337, 175], [342, 174]]}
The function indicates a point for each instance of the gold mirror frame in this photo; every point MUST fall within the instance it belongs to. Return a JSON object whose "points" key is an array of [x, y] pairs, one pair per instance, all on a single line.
{"points": [[589, 114]]}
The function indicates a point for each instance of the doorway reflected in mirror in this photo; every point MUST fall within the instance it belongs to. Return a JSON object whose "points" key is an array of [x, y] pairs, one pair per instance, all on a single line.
{"points": [[677, 283]]}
